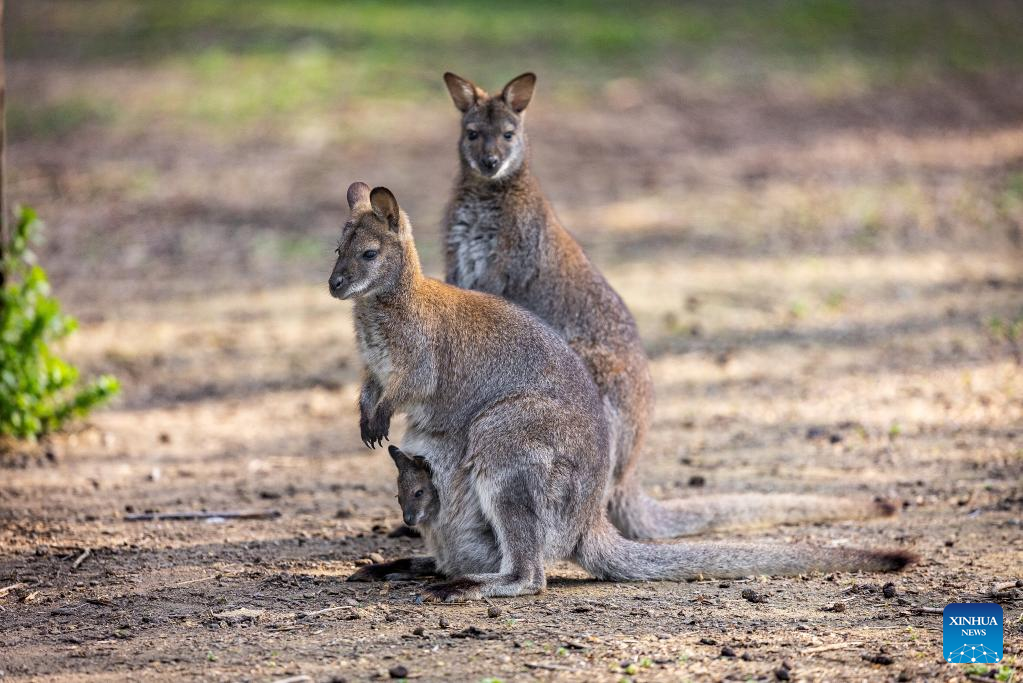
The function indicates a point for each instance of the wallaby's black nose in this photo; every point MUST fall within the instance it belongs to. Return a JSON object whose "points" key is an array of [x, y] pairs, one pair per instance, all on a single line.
{"points": [[410, 520], [336, 282], [490, 162]]}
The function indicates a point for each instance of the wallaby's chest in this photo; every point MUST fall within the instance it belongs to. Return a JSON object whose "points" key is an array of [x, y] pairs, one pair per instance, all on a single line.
{"points": [[373, 347], [472, 242]]}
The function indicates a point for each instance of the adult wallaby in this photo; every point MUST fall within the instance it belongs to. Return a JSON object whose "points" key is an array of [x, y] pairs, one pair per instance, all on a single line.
{"points": [[503, 237], [513, 428]]}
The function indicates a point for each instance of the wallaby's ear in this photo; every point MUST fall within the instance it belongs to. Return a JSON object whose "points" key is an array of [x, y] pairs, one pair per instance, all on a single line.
{"points": [[399, 457], [519, 92], [357, 194], [385, 206], [463, 92], [421, 462]]}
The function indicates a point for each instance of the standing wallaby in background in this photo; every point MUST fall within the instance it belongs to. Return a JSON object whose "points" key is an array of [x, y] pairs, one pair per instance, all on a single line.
{"points": [[513, 429], [502, 237]]}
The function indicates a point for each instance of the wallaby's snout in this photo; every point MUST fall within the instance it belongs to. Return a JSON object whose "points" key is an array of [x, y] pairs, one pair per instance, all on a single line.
{"points": [[493, 142]]}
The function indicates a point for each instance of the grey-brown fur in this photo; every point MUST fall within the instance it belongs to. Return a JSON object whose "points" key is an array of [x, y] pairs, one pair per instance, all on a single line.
{"points": [[503, 237], [512, 426]]}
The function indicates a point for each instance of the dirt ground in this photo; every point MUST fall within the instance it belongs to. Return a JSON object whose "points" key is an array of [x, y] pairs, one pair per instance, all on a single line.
{"points": [[816, 280]]}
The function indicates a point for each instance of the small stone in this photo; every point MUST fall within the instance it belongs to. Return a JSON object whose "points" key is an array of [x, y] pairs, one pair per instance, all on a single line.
{"points": [[392, 616], [880, 658], [494, 611], [344, 512], [781, 673], [398, 671], [338, 679], [419, 631], [443, 623], [889, 590], [697, 481], [1019, 583], [835, 438], [376, 558], [949, 543], [727, 652], [905, 676], [708, 641], [752, 595]]}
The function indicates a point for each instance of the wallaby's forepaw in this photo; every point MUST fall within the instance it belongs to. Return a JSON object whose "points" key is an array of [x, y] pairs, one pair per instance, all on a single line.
{"points": [[455, 590], [377, 572], [375, 429]]}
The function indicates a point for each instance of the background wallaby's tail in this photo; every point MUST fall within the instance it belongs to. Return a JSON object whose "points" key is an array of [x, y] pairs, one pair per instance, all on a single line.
{"points": [[605, 554], [638, 516]]}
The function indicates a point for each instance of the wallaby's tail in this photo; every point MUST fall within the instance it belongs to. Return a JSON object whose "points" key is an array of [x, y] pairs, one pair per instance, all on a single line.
{"points": [[639, 516], [605, 554]]}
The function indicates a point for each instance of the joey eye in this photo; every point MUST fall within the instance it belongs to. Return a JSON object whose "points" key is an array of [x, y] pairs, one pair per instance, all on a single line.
{"points": [[472, 135], [419, 493], [369, 254], [509, 135]]}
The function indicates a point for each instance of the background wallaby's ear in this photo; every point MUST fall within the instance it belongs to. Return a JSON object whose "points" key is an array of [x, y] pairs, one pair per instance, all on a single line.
{"points": [[519, 91], [399, 458], [421, 462], [385, 206], [357, 194], [463, 92]]}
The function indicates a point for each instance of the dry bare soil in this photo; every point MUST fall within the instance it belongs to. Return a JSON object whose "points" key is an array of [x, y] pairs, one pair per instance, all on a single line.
{"points": [[816, 278]]}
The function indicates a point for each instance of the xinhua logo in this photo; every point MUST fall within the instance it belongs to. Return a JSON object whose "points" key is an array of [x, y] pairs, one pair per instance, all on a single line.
{"points": [[972, 632]]}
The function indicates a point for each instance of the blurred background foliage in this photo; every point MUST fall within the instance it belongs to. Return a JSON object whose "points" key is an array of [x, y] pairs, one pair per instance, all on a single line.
{"points": [[228, 63]]}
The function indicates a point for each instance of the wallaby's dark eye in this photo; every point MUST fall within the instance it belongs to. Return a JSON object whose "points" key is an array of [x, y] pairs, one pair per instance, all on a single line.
{"points": [[369, 254], [472, 135], [509, 135], [419, 493]]}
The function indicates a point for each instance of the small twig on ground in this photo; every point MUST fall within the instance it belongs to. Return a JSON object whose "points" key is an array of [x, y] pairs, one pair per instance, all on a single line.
{"points": [[180, 516], [191, 581], [830, 647], [548, 667], [325, 610], [919, 609], [293, 679], [13, 587], [81, 558]]}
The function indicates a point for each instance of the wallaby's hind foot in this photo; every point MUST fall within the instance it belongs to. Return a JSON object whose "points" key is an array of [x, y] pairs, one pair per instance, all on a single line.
{"points": [[638, 516], [404, 569], [478, 586]]}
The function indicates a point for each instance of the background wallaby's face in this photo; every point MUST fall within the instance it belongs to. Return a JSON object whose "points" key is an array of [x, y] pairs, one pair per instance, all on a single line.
{"points": [[370, 255], [416, 493], [493, 142]]}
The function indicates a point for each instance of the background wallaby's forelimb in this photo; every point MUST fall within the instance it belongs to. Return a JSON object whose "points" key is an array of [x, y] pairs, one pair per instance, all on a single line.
{"points": [[640, 516]]}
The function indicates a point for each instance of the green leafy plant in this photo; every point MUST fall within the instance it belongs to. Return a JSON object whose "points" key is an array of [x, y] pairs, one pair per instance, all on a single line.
{"points": [[39, 392]]}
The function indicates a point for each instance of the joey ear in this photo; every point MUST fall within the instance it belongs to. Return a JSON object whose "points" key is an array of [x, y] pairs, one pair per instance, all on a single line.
{"points": [[358, 193], [519, 92], [398, 456], [385, 206], [421, 462], [464, 93]]}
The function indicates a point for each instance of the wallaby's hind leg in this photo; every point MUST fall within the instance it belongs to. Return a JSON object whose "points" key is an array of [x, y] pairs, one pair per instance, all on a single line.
{"points": [[404, 569], [512, 511]]}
